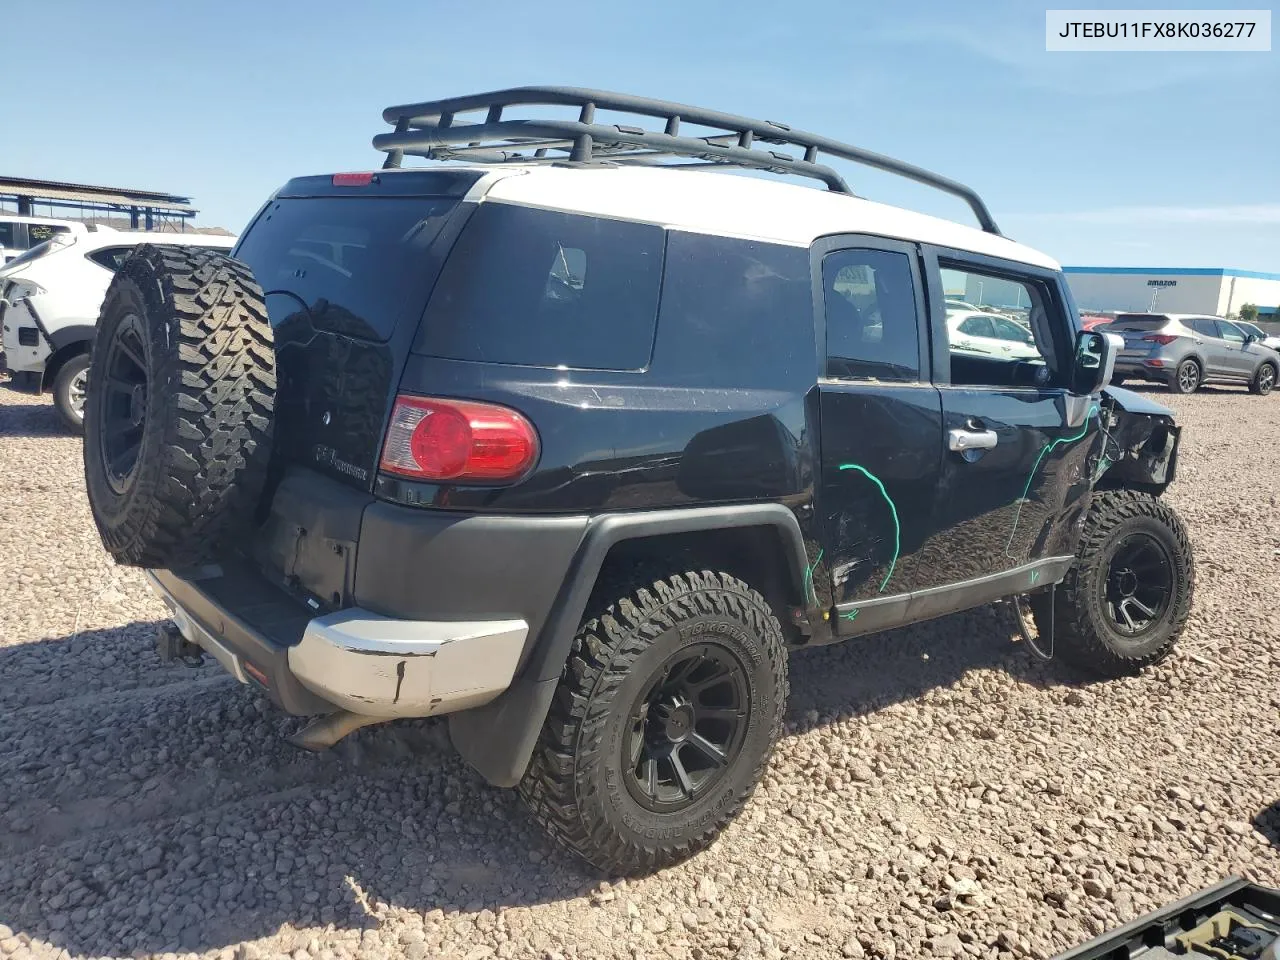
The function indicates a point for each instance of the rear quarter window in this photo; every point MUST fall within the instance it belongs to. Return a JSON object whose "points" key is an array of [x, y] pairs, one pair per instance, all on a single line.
{"points": [[735, 312], [547, 289]]}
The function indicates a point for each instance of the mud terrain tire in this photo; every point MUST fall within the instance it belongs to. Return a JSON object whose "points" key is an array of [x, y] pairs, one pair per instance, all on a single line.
{"points": [[179, 412], [1134, 557], [622, 678]]}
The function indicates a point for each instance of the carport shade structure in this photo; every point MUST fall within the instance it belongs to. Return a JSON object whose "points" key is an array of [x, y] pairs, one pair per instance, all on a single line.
{"points": [[142, 206]]}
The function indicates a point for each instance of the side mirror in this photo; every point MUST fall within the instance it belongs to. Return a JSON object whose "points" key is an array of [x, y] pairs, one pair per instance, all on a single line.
{"points": [[1249, 338], [1095, 361]]}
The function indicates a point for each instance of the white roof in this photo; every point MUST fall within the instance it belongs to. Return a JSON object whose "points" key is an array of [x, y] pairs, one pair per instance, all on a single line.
{"points": [[731, 205], [22, 218], [119, 238]]}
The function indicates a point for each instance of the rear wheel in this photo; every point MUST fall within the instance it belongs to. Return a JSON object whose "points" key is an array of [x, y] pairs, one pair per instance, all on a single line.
{"points": [[70, 387], [1186, 379], [1125, 601], [1264, 380], [179, 411], [665, 716]]}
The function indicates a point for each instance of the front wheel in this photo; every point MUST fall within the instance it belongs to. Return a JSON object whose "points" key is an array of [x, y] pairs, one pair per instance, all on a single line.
{"points": [[1125, 600], [70, 387], [665, 716], [1264, 380]]}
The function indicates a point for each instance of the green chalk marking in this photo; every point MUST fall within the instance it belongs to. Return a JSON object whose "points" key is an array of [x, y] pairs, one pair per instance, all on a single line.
{"points": [[850, 616], [1052, 445], [897, 527], [808, 577]]}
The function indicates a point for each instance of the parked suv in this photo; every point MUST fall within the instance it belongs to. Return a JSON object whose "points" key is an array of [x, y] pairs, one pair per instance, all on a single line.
{"points": [[49, 303], [1184, 351], [19, 233], [573, 449]]}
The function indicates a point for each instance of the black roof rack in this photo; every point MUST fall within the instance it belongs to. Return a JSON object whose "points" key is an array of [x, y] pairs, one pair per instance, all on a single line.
{"points": [[429, 130]]}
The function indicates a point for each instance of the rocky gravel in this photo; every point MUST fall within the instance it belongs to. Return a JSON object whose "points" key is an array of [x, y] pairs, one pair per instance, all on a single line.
{"points": [[938, 791]]}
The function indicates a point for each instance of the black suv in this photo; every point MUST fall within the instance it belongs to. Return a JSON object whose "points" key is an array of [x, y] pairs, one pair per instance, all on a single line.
{"points": [[573, 448]]}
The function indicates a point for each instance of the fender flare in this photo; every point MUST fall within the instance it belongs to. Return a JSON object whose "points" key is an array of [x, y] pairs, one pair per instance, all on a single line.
{"points": [[73, 333], [63, 341], [498, 739]]}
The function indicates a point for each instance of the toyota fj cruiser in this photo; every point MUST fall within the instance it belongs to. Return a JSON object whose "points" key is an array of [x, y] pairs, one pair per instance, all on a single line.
{"points": [[573, 446]]}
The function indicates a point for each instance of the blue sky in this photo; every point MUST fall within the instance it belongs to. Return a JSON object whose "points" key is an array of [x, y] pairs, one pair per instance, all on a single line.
{"points": [[1113, 159]]}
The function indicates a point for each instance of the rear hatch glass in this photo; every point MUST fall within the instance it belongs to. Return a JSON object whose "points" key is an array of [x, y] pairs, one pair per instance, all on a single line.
{"points": [[354, 262], [1143, 322], [341, 273]]}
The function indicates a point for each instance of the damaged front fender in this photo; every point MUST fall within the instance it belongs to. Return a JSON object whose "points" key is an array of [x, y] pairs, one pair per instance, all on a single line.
{"points": [[1140, 443]]}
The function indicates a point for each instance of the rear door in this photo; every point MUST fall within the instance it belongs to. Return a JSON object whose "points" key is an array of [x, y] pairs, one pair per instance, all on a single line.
{"points": [[1209, 345], [881, 432], [347, 268]]}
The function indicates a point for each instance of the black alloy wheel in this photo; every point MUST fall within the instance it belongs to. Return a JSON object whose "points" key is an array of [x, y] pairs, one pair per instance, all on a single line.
{"points": [[1139, 584], [687, 727], [123, 396]]}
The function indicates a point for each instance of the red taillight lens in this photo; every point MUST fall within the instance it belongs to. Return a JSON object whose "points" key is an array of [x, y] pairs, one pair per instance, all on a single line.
{"points": [[352, 179], [434, 439], [1161, 338]]}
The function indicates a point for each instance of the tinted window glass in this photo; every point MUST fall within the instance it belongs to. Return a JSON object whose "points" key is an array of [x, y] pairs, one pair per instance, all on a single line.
{"points": [[1013, 344], [1203, 327], [1129, 321], [7, 235], [1008, 330], [735, 313], [871, 317], [1229, 331], [546, 289], [978, 327], [358, 263], [110, 257], [40, 232]]}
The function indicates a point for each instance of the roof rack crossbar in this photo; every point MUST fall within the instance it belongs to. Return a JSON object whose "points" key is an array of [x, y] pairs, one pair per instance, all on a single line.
{"points": [[428, 129]]}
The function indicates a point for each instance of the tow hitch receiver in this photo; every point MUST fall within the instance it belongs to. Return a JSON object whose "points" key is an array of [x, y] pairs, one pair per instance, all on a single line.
{"points": [[171, 645]]}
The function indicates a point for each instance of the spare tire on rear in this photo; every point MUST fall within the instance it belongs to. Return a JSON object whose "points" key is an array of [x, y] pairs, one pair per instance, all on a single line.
{"points": [[178, 417]]}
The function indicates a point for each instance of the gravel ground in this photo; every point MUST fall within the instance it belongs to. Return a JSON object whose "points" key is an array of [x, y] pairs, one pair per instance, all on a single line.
{"points": [[938, 792]]}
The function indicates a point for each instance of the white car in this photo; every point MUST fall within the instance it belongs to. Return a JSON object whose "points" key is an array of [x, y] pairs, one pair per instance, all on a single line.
{"points": [[1264, 338], [49, 302], [18, 234], [990, 335]]}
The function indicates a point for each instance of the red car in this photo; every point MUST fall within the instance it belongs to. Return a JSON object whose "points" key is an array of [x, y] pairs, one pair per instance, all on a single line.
{"points": [[1089, 323]]}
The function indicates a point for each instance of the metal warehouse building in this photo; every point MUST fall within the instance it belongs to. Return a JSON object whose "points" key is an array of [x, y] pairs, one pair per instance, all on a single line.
{"points": [[1210, 290]]}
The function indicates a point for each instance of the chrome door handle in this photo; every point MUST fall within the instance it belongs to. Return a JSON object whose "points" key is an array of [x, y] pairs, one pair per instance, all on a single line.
{"points": [[960, 440]]}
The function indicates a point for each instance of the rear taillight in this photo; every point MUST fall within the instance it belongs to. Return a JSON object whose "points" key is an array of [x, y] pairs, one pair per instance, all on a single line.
{"points": [[352, 179], [1161, 338], [437, 440]]}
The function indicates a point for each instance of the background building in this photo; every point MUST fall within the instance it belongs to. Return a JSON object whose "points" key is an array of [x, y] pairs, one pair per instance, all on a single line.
{"points": [[1208, 290]]}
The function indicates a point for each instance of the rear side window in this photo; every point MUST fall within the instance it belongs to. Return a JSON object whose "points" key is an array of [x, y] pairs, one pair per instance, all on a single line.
{"points": [[358, 263], [40, 232], [870, 304], [735, 313], [110, 257], [546, 289]]}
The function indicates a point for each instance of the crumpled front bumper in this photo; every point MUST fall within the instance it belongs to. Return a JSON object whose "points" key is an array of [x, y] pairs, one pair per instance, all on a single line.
{"points": [[353, 659]]}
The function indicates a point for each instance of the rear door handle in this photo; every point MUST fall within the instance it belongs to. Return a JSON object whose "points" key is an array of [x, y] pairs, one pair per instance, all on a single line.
{"points": [[961, 440]]}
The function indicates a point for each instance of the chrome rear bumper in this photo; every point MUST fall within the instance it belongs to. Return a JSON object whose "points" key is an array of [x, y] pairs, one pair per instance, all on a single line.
{"points": [[368, 664]]}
